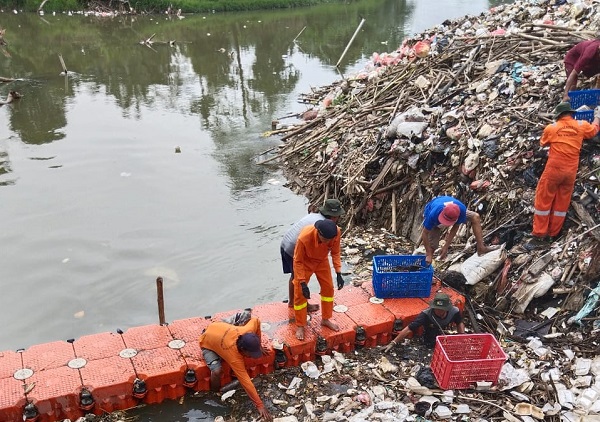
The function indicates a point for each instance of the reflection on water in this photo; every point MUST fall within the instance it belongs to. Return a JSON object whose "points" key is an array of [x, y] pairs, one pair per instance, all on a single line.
{"points": [[96, 202]]}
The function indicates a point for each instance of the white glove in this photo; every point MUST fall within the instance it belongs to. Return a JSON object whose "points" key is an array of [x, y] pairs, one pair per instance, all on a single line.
{"points": [[597, 113]]}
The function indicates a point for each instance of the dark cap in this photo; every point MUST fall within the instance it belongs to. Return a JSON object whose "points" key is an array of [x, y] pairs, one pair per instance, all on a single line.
{"points": [[332, 208], [441, 301], [561, 108], [250, 343], [327, 228]]}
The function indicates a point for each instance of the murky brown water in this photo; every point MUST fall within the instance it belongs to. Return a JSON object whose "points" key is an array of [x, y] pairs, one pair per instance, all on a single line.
{"points": [[95, 203]]}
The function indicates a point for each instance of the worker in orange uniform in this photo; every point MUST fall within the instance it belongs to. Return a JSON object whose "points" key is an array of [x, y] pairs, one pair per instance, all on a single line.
{"points": [[553, 192], [313, 247], [584, 58], [223, 341]]}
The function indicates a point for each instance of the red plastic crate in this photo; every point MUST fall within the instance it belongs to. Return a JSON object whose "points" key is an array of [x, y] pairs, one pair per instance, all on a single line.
{"points": [[461, 360]]}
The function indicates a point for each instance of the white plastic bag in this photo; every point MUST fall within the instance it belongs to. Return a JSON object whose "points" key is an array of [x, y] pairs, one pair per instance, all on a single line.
{"points": [[476, 268]]}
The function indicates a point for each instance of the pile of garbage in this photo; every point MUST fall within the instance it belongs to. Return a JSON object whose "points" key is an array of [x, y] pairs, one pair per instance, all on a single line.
{"points": [[459, 110], [369, 385]]}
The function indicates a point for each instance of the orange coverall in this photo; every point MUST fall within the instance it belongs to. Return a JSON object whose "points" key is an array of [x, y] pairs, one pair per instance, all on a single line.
{"points": [[554, 190], [221, 338], [311, 257]]}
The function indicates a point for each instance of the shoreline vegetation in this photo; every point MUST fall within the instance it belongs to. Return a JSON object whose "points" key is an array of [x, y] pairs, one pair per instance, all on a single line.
{"points": [[155, 6]]}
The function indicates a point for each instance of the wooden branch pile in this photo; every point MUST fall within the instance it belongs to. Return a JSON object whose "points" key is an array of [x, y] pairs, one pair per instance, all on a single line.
{"points": [[500, 90]]}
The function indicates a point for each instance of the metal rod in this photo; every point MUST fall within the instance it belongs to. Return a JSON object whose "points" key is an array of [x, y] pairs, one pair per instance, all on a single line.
{"points": [[349, 43], [161, 301]]}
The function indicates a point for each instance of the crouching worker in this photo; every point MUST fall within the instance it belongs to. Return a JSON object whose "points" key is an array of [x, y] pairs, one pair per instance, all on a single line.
{"points": [[222, 341], [440, 314]]}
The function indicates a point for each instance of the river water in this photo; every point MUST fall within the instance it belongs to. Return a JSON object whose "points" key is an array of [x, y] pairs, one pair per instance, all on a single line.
{"points": [[95, 200]]}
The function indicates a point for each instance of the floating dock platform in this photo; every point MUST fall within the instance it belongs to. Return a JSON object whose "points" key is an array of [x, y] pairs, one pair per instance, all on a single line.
{"points": [[106, 372]]}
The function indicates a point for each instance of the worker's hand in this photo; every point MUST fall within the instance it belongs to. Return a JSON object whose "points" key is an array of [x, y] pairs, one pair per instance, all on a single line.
{"points": [[390, 346], [340, 281], [566, 97], [264, 351], [444, 252], [428, 259], [597, 113], [305, 291], [264, 414]]}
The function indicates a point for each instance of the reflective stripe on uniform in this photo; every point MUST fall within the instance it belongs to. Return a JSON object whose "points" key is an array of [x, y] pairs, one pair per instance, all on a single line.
{"points": [[302, 306], [540, 212], [560, 213], [326, 299]]}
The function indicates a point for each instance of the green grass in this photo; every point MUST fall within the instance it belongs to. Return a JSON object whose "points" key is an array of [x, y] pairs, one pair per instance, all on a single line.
{"points": [[159, 6]]}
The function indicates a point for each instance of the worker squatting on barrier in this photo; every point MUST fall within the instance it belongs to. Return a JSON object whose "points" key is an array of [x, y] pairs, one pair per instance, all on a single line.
{"points": [[555, 187], [441, 313], [446, 211], [332, 210], [313, 247], [584, 58], [223, 341]]}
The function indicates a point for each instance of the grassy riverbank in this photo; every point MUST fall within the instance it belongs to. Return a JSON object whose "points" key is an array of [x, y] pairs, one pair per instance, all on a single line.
{"points": [[158, 6]]}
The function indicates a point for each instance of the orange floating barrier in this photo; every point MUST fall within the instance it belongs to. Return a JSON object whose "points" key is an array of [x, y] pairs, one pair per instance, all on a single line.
{"points": [[106, 372]]}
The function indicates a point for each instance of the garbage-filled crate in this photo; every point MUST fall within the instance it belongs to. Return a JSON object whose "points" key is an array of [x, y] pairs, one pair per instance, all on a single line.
{"points": [[459, 361], [397, 276], [587, 97]]}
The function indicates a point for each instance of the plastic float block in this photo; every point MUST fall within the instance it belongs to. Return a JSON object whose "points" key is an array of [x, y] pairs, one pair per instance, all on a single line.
{"points": [[220, 316], [48, 355], [147, 337], [12, 399], [367, 286], [189, 329], [273, 316], [98, 346], [296, 351], [56, 392], [9, 363], [376, 320], [341, 341], [436, 285], [163, 370], [110, 381], [405, 309], [350, 295], [262, 365]]}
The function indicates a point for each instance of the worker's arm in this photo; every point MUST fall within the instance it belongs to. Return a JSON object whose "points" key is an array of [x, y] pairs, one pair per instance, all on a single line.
{"points": [[571, 84], [427, 244], [460, 328], [301, 273], [239, 369], [335, 252], [449, 238]]}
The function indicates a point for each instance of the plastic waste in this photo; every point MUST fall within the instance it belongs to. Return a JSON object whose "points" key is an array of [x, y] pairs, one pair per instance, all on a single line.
{"points": [[476, 267]]}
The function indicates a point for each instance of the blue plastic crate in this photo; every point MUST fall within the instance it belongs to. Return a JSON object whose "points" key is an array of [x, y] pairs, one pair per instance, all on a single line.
{"points": [[588, 97], [388, 283], [584, 115]]}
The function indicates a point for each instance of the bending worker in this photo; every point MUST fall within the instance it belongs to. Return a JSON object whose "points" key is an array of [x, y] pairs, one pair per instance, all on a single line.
{"points": [[446, 211], [441, 313], [311, 256], [223, 341], [555, 187], [332, 210], [584, 58]]}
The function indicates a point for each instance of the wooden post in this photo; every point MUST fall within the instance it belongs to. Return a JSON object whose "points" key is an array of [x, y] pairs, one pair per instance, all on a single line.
{"points": [[161, 301], [350, 42], [394, 211]]}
